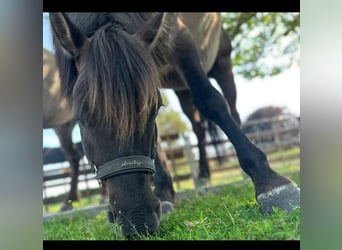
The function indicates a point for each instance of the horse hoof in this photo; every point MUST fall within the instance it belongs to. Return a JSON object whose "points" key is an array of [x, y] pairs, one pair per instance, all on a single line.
{"points": [[284, 197], [167, 207], [204, 182], [66, 207]]}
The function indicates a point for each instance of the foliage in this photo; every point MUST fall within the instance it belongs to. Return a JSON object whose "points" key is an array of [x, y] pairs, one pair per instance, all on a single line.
{"points": [[264, 44]]}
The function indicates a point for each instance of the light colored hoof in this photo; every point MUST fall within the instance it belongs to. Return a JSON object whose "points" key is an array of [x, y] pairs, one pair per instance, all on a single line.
{"points": [[204, 182], [66, 207], [285, 197]]}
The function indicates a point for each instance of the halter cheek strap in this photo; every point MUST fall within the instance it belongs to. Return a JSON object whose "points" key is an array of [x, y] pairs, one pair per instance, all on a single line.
{"points": [[124, 165]]}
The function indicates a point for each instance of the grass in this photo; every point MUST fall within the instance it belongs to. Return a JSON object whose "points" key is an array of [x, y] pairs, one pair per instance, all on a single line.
{"points": [[232, 214]]}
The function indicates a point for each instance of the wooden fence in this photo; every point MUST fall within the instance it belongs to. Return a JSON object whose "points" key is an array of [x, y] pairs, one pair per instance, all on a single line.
{"points": [[180, 152]]}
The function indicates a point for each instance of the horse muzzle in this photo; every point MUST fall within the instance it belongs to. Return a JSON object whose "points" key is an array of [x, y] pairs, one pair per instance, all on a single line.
{"points": [[137, 221]]}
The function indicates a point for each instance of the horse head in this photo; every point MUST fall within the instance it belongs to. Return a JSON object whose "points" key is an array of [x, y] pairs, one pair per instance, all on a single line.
{"points": [[109, 76]]}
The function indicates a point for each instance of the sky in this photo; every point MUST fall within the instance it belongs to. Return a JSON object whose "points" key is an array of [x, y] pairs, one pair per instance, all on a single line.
{"points": [[282, 90]]}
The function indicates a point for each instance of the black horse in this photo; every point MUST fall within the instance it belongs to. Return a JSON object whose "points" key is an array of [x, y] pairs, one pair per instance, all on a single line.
{"points": [[112, 66], [58, 115]]}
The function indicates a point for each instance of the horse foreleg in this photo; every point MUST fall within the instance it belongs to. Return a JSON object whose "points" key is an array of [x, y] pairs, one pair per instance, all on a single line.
{"points": [[73, 157], [271, 188]]}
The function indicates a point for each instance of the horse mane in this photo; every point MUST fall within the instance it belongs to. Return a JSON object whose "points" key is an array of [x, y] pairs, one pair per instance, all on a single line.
{"points": [[118, 85]]}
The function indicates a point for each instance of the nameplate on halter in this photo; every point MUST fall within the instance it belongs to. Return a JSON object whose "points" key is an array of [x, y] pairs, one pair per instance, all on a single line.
{"points": [[124, 165], [131, 162]]}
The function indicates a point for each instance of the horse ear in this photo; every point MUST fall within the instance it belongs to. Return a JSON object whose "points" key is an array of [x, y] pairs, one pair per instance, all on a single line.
{"points": [[149, 32], [69, 36]]}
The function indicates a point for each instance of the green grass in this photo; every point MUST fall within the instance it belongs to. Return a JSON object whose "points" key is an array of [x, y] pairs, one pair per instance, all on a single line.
{"points": [[232, 214]]}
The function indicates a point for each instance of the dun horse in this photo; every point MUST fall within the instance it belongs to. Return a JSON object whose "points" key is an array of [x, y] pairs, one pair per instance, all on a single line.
{"points": [[112, 66], [57, 114]]}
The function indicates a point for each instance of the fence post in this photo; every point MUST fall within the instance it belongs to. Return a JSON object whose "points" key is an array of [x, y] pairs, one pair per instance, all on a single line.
{"points": [[191, 160], [276, 126], [169, 140]]}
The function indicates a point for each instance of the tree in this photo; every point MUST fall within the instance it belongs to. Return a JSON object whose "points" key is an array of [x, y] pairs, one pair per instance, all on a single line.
{"points": [[169, 120], [264, 44]]}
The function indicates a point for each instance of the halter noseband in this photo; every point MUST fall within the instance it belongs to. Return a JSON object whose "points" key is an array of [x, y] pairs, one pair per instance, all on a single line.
{"points": [[124, 165]]}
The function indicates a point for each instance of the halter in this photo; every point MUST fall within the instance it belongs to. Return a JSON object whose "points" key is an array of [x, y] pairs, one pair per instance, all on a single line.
{"points": [[124, 165]]}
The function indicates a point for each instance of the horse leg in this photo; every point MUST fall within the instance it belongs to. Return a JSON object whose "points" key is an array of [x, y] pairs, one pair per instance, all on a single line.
{"points": [[162, 180], [185, 100], [64, 133], [271, 188], [223, 74]]}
